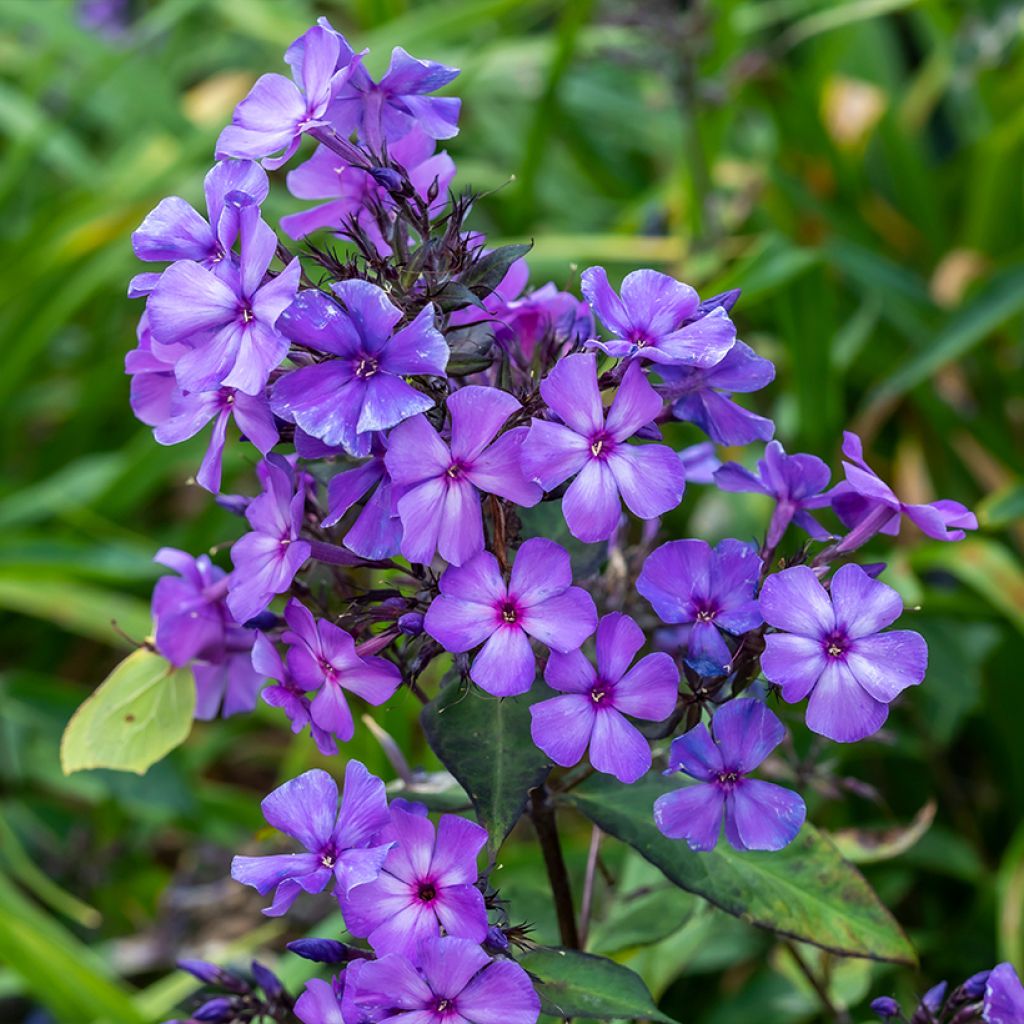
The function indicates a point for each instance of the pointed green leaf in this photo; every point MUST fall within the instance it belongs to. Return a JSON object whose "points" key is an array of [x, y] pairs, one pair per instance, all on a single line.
{"points": [[573, 984], [139, 713], [485, 743], [806, 891]]}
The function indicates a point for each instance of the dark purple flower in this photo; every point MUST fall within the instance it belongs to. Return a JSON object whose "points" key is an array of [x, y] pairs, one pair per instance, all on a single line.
{"points": [[452, 981], [323, 657], [438, 485], [267, 559], [758, 815], [476, 607], [831, 648], [175, 231], [1004, 997], [701, 395], [426, 884], [337, 843], [687, 581], [886, 1007], [276, 113], [377, 530], [362, 388], [649, 478], [796, 482], [226, 321], [593, 704], [385, 111], [288, 693], [657, 318], [868, 505]]}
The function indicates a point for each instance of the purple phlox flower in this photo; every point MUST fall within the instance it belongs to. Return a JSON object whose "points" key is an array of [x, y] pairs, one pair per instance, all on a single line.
{"points": [[830, 647], [701, 395], [361, 388], [700, 463], [337, 842], [758, 815], [175, 231], [193, 627], [267, 558], [385, 111], [277, 111], [322, 1002], [377, 530], [1004, 997], [353, 192], [868, 505], [288, 693], [426, 884], [796, 482], [476, 607], [688, 581], [438, 485], [451, 981], [657, 318], [226, 320], [649, 478], [152, 372], [593, 703], [323, 657]]}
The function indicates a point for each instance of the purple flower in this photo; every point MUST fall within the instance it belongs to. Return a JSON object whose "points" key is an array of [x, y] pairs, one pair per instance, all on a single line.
{"points": [[831, 648], [452, 981], [701, 395], [338, 844], [323, 657], [796, 482], [439, 484], [226, 320], [361, 389], [657, 318], [758, 815], [353, 192], [426, 884], [1004, 997], [593, 704], [387, 110], [267, 559], [288, 693], [649, 478], [868, 505], [175, 231], [700, 463], [886, 1007], [320, 1002], [687, 581], [377, 530], [193, 627], [476, 607], [277, 111]]}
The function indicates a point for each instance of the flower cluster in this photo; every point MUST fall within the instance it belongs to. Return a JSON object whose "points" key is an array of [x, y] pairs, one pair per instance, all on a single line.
{"points": [[424, 425], [989, 997]]}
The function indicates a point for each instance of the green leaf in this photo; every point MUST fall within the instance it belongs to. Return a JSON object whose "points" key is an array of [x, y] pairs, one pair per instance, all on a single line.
{"points": [[485, 743], [806, 891], [139, 713], [573, 984]]}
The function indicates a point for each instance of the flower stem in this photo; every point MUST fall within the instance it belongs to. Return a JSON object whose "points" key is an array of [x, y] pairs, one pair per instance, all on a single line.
{"points": [[543, 815]]}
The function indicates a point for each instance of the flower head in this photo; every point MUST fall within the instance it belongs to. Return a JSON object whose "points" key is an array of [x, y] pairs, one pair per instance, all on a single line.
{"points": [[688, 581], [361, 387], [796, 482], [830, 648], [591, 446], [593, 703], [758, 815], [438, 485], [657, 318], [425, 884], [338, 843], [451, 981], [1004, 996], [476, 606]]}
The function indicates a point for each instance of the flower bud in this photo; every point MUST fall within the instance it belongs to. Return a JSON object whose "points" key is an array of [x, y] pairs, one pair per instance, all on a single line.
{"points": [[321, 951], [886, 1007], [411, 624], [496, 941], [267, 980], [216, 1011]]}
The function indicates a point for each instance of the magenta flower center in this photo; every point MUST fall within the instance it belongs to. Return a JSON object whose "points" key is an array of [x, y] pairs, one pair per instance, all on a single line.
{"points": [[455, 470], [366, 367], [247, 315], [443, 1005], [509, 612], [599, 694], [835, 645], [729, 778], [706, 614], [601, 445], [638, 337], [426, 892]]}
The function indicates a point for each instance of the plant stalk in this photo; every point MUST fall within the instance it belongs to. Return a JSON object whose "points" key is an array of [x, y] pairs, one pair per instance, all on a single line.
{"points": [[543, 815]]}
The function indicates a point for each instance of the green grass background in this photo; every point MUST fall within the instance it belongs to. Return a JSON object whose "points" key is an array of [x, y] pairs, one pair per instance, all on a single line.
{"points": [[854, 165]]}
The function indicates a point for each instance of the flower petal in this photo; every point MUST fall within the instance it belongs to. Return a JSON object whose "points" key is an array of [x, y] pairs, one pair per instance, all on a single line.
{"points": [[500, 994], [795, 601], [305, 808], [696, 753], [561, 727], [793, 662], [862, 605], [649, 689], [562, 622], [505, 665], [762, 816], [673, 575], [617, 748], [886, 664], [746, 731], [591, 504], [571, 391], [650, 478], [458, 625], [841, 709], [693, 813], [552, 453], [455, 850]]}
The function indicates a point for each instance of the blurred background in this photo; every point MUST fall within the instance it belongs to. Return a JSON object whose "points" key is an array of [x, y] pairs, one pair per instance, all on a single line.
{"points": [[854, 165]]}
